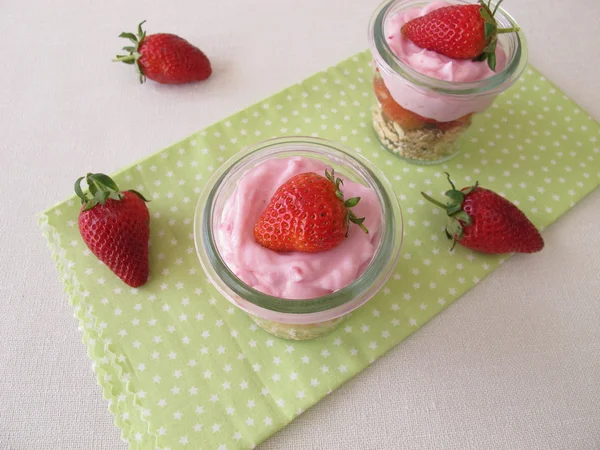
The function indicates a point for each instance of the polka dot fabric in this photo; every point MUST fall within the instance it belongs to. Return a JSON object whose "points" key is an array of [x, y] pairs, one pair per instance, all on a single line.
{"points": [[184, 369]]}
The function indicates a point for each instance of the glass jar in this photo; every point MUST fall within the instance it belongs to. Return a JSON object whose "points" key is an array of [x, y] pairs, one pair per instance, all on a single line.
{"points": [[307, 318], [422, 119]]}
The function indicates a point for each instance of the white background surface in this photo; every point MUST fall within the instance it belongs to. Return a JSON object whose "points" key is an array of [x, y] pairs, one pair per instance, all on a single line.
{"points": [[514, 364]]}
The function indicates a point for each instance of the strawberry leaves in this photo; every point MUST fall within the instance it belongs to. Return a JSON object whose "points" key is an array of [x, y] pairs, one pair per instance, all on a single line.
{"points": [[458, 218], [491, 32], [134, 54], [101, 188], [350, 203]]}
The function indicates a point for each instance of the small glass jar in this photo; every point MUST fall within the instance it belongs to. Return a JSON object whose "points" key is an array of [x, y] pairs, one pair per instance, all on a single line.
{"points": [[292, 318], [422, 119]]}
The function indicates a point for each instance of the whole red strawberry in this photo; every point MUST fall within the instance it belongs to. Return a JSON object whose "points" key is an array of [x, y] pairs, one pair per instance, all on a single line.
{"points": [[307, 213], [484, 221], [115, 227], [459, 31], [165, 58]]}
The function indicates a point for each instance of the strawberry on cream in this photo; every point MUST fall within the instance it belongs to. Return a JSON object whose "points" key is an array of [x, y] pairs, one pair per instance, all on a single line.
{"points": [[430, 63], [429, 104], [292, 275]]}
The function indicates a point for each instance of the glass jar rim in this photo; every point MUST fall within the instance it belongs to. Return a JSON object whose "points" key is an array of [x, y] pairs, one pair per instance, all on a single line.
{"points": [[388, 61], [377, 272]]}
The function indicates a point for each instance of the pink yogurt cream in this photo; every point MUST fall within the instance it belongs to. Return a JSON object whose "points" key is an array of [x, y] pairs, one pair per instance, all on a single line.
{"points": [[292, 275], [442, 108]]}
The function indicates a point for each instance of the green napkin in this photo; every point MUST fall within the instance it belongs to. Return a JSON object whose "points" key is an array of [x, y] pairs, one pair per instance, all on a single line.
{"points": [[183, 368]]}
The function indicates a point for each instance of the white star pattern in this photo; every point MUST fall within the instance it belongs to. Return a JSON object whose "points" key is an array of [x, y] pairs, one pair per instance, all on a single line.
{"points": [[178, 341]]}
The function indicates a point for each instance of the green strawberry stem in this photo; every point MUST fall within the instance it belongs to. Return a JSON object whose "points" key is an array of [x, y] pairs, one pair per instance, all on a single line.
{"points": [[434, 201], [507, 30], [457, 216], [350, 203], [128, 59], [496, 8], [134, 54], [101, 188]]}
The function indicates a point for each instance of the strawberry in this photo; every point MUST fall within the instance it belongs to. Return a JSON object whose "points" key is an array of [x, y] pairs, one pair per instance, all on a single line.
{"points": [[460, 122], [408, 120], [115, 227], [484, 221], [459, 31], [307, 213], [165, 58]]}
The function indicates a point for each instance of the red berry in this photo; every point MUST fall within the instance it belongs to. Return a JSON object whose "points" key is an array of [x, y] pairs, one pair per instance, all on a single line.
{"points": [[307, 214], [458, 31], [484, 221], [115, 227], [498, 226], [463, 121], [165, 58], [407, 119]]}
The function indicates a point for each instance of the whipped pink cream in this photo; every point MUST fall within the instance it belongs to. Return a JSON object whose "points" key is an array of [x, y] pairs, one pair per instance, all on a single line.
{"points": [[427, 103], [292, 275]]}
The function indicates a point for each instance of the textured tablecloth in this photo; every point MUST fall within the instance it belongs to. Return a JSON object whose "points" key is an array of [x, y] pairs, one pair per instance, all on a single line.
{"points": [[513, 364]]}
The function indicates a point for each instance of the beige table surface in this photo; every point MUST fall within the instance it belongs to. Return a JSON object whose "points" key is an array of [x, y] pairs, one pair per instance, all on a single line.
{"points": [[514, 364]]}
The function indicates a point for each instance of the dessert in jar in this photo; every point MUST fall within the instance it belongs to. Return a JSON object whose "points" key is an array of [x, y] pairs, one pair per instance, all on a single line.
{"points": [[298, 277], [435, 67]]}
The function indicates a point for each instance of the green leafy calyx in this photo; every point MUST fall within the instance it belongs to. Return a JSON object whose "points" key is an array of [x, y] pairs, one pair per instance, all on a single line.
{"points": [[457, 216], [350, 203], [101, 188], [491, 32], [133, 50]]}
